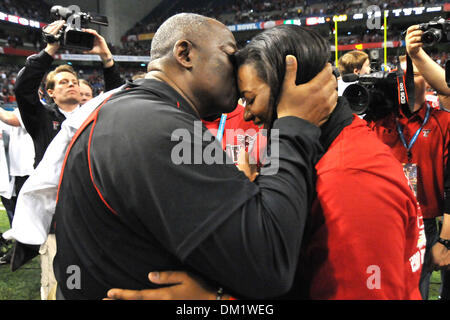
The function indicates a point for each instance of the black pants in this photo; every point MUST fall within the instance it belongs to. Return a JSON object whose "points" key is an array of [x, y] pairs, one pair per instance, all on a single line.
{"points": [[431, 234], [10, 204], [444, 290]]}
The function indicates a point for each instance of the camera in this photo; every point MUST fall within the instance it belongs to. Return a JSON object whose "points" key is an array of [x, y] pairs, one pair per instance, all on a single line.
{"points": [[375, 95], [435, 31], [71, 36]]}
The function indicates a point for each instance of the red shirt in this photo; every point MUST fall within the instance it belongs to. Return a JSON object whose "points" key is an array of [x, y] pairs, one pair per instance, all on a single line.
{"points": [[429, 152], [238, 133], [363, 238]]}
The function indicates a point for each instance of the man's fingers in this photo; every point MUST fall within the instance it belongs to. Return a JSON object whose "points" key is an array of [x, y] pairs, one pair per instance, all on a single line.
{"points": [[122, 294], [54, 26], [167, 277], [242, 157], [412, 28], [90, 30], [324, 76], [291, 71]]}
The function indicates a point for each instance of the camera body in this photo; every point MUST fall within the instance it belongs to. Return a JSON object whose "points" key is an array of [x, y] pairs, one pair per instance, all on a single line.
{"points": [[375, 95], [71, 35], [435, 31]]}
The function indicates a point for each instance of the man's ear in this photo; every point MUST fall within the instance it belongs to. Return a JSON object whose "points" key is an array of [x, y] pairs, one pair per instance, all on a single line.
{"points": [[50, 93], [182, 51], [356, 71]]}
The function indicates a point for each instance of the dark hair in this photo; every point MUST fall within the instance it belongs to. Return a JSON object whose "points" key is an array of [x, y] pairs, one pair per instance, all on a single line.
{"points": [[267, 52]]}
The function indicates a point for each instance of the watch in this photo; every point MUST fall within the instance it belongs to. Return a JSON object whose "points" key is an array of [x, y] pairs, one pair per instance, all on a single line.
{"points": [[444, 242]]}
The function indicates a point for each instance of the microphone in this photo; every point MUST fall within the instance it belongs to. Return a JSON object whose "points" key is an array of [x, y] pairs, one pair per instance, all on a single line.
{"points": [[64, 13]]}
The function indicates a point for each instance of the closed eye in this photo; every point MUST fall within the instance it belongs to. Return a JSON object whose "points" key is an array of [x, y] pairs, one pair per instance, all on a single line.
{"points": [[232, 58]]}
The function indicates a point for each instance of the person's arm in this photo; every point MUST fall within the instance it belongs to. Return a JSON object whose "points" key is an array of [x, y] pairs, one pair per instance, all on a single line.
{"points": [[110, 72], [247, 236], [366, 215], [433, 73], [9, 118], [265, 233], [183, 286], [353, 235], [29, 79], [440, 254]]}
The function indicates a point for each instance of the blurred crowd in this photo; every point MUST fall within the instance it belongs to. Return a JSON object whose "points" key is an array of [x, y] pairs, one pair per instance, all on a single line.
{"points": [[244, 11], [8, 74], [227, 11], [37, 10]]}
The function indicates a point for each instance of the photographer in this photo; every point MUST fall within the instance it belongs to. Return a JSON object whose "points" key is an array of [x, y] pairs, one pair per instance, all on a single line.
{"points": [[356, 62], [435, 76], [419, 138], [44, 122], [429, 69]]}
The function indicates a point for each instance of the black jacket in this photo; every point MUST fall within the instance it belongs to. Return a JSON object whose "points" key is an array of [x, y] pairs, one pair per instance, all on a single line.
{"points": [[41, 121]]}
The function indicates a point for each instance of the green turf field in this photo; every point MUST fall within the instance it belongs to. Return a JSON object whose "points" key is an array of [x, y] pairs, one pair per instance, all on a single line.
{"points": [[24, 284]]}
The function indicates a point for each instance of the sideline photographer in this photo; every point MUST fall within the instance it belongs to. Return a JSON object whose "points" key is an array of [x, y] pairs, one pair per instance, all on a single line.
{"points": [[435, 76], [429, 69], [44, 122], [353, 62], [418, 135]]}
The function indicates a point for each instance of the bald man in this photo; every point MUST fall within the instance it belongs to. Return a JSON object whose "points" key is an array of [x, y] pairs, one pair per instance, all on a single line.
{"points": [[137, 193]]}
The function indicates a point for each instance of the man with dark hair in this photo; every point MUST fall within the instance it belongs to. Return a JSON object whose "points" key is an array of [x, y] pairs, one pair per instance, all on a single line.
{"points": [[143, 209]]}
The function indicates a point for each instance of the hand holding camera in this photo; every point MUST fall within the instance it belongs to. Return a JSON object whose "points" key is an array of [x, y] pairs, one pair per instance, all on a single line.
{"points": [[67, 30], [100, 47], [53, 29], [413, 40]]}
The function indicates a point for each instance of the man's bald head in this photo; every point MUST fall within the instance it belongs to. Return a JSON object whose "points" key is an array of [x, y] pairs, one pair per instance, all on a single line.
{"points": [[194, 54], [177, 27]]}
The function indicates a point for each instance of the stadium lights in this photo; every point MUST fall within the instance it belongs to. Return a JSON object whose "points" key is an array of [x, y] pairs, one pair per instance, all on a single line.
{"points": [[407, 11], [312, 21], [419, 10], [22, 21], [397, 12], [434, 9], [340, 18], [297, 22]]}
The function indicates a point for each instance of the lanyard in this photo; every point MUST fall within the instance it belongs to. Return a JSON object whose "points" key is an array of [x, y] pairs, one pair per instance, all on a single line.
{"points": [[223, 119], [416, 135]]}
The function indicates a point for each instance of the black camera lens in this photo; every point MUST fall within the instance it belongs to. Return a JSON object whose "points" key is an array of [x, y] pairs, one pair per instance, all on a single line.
{"points": [[357, 97], [431, 37]]}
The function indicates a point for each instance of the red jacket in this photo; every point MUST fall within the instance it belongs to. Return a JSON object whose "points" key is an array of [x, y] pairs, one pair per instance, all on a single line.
{"points": [[363, 240], [238, 133], [429, 152]]}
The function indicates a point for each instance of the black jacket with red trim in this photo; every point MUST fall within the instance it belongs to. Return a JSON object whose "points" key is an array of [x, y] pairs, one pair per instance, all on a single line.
{"points": [[137, 195]]}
